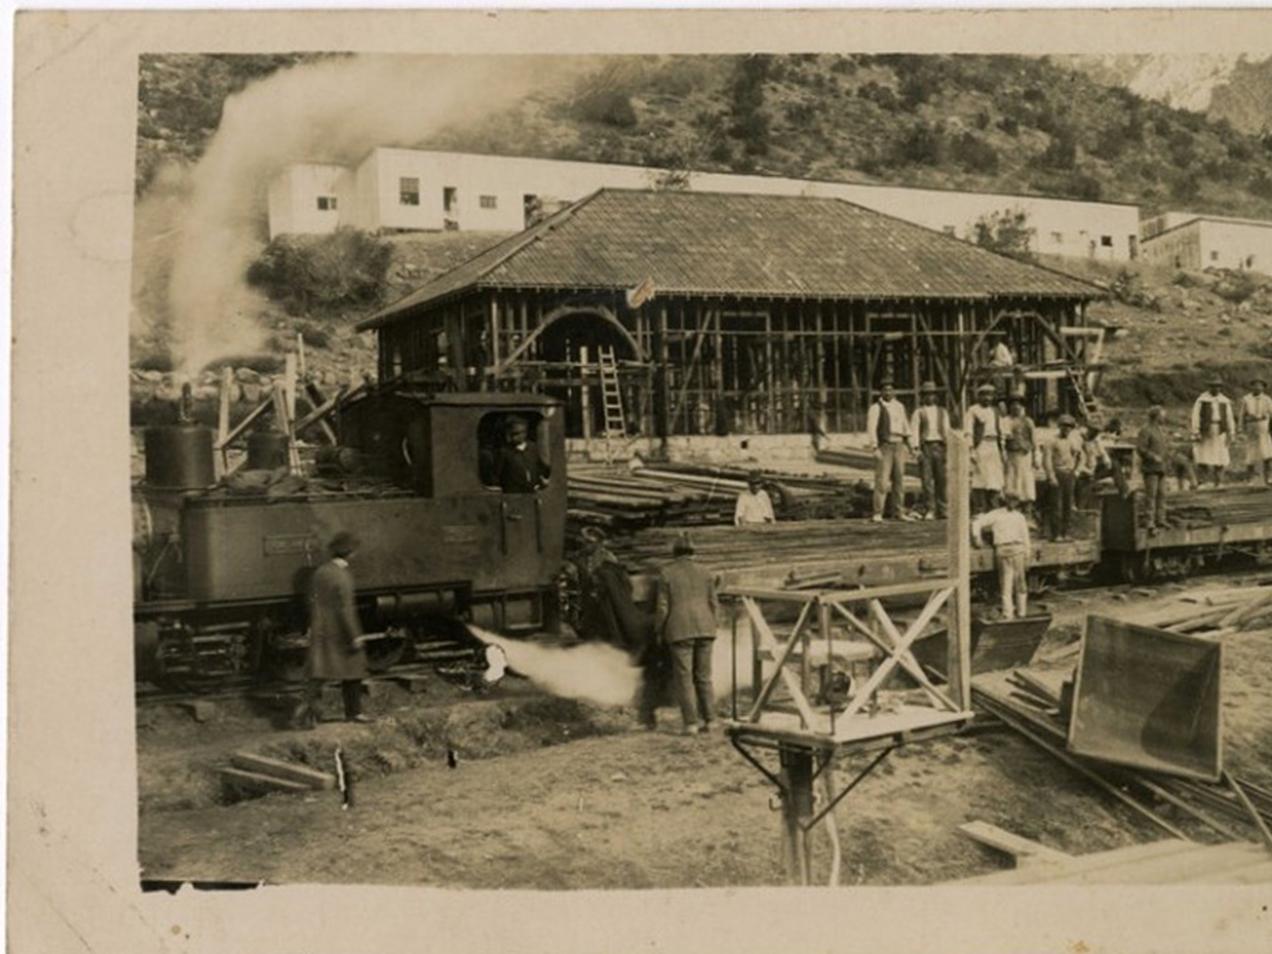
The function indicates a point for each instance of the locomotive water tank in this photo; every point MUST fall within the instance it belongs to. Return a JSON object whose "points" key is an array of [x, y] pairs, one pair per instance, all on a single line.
{"points": [[179, 457]]}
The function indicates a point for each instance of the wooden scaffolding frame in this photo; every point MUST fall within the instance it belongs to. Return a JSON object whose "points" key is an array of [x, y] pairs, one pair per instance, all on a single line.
{"points": [[809, 732], [720, 363]]}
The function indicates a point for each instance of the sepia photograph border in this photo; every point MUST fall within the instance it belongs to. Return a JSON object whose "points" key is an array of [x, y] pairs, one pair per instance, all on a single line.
{"points": [[73, 871]]}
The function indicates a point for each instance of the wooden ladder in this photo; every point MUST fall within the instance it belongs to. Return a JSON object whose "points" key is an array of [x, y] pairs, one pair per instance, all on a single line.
{"points": [[1087, 404], [611, 397]]}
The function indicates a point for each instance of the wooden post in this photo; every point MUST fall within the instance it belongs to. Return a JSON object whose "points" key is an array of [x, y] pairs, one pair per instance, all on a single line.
{"points": [[223, 420], [959, 541], [585, 397], [289, 388], [664, 404], [797, 808]]}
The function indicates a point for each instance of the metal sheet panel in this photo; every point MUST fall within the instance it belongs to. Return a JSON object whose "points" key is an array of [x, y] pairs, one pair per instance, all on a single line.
{"points": [[1149, 698]]}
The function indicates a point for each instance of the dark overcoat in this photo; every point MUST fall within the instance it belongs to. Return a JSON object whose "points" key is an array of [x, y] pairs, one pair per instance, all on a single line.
{"points": [[334, 626]]}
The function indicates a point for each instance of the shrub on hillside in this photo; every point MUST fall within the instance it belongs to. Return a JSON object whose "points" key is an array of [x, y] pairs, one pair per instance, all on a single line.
{"points": [[345, 268], [922, 145], [1235, 287], [881, 96], [974, 154], [612, 107], [750, 121], [1007, 232], [1083, 185], [1062, 151]]}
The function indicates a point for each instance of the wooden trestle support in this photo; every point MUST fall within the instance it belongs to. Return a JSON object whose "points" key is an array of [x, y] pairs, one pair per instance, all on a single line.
{"points": [[814, 725]]}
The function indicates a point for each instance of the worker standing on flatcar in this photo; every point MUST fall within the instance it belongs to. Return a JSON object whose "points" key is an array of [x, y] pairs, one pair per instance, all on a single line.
{"points": [[754, 504], [685, 619], [1153, 445], [930, 428], [888, 434], [1212, 429], [985, 436], [1254, 416], [1018, 442], [335, 636], [519, 469], [1012, 550], [1060, 457]]}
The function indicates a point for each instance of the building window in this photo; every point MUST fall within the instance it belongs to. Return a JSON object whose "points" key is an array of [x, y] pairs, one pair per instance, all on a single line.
{"points": [[326, 203], [1106, 241], [1214, 255], [1057, 238], [488, 202], [408, 191], [450, 198]]}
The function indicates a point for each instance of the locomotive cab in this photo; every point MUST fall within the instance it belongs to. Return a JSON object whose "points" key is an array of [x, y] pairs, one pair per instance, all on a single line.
{"points": [[441, 538]]}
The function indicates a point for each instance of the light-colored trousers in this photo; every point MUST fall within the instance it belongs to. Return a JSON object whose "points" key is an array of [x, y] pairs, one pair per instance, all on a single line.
{"points": [[889, 474], [1012, 582]]}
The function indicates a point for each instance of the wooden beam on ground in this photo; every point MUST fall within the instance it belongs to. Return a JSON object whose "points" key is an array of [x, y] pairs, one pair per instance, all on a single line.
{"points": [[290, 771], [259, 782], [1022, 850]]}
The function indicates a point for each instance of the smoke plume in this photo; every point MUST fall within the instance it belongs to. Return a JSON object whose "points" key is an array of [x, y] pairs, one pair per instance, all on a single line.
{"points": [[606, 676], [209, 223]]}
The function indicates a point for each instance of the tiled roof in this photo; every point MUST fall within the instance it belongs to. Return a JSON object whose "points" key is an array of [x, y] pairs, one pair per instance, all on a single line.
{"points": [[745, 246]]}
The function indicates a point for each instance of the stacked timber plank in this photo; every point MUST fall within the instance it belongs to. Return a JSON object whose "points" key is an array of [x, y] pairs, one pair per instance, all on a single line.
{"points": [[677, 494], [259, 774], [1213, 612], [1223, 506], [785, 545]]}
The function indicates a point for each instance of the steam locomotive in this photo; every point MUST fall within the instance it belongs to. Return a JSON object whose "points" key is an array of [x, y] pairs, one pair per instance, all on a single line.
{"points": [[221, 569]]}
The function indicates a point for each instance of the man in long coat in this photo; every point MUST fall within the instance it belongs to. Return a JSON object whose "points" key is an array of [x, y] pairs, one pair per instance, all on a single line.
{"points": [[1212, 430], [335, 635], [685, 619]]}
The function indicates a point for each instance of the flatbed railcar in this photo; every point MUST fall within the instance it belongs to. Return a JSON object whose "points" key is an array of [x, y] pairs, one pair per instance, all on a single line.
{"points": [[222, 571], [1203, 528]]}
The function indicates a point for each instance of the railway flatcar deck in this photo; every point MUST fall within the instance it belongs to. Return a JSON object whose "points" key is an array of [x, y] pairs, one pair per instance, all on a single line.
{"points": [[1201, 526], [842, 552]]}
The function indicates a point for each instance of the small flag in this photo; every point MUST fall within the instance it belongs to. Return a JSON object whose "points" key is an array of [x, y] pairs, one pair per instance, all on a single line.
{"points": [[640, 294]]}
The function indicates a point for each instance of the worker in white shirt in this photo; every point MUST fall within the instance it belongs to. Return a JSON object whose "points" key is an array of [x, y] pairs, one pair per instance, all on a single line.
{"points": [[1009, 531], [888, 435], [984, 435], [1002, 356], [929, 428], [754, 505], [1253, 417]]}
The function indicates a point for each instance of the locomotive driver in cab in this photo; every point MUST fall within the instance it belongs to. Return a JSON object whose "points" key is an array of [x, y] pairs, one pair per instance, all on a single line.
{"points": [[518, 467]]}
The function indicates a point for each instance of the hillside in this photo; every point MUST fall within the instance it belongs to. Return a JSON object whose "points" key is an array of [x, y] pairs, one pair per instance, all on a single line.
{"points": [[984, 122]]}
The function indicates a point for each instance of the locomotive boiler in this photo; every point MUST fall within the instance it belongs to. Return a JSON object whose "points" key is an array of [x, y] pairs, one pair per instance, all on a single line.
{"points": [[222, 568]]}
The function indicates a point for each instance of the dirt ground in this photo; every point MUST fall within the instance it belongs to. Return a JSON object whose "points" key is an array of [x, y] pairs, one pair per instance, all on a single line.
{"points": [[553, 794]]}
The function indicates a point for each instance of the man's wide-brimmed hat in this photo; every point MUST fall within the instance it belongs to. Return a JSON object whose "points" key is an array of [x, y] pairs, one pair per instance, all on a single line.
{"points": [[754, 477], [343, 544], [1215, 381], [683, 545], [593, 534], [929, 387], [985, 389], [1260, 381], [1067, 419]]}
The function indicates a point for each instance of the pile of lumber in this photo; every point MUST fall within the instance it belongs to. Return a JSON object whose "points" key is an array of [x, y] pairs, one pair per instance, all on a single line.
{"points": [[858, 459], [784, 545], [676, 494], [1223, 506], [1215, 612], [1035, 703]]}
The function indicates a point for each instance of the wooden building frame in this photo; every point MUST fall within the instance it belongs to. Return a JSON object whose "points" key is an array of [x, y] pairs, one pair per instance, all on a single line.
{"points": [[735, 361]]}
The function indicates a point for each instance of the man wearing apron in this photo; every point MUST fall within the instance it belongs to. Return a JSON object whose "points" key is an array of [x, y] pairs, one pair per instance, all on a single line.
{"points": [[1255, 413], [985, 437], [1212, 428]]}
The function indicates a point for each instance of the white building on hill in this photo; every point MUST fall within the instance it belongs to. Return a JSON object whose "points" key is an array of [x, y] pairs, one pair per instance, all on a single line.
{"points": [[1193, 241], [413, 190]]}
